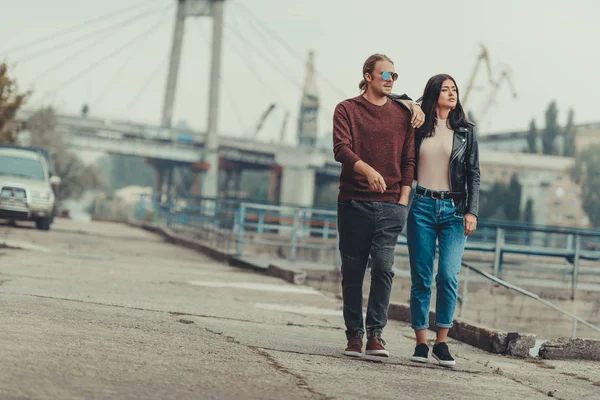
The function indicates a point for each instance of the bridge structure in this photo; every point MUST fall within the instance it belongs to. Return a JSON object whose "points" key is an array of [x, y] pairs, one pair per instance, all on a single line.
{"points": [[296, 174]]}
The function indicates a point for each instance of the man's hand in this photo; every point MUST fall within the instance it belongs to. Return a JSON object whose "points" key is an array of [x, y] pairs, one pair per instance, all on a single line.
{"points": [[418, 117], [404, 195], [469, 223], [376, 182]]}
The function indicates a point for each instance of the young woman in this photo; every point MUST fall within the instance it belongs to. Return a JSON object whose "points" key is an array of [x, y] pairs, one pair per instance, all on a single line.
{"points": [[444, 209]]}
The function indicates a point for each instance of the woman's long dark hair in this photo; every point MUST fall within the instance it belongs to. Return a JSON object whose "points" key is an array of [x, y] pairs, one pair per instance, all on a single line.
{"points": [[456, 118]]}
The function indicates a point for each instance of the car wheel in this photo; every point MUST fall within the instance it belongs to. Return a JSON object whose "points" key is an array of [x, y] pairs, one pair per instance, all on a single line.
{"points": [[43, 223]]}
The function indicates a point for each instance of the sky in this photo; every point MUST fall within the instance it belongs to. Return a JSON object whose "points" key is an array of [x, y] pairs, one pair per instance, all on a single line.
{"points": [[118, 65]]}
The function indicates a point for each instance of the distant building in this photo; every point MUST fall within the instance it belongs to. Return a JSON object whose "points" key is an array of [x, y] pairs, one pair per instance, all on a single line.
{"points": [[545, 179], [587, 134]]}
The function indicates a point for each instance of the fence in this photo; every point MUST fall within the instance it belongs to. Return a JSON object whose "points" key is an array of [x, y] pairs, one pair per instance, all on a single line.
{"points": [[232, 224]]}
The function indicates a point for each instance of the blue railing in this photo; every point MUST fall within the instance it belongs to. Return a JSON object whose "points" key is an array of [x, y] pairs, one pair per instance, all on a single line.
{"points": [[295, 227]]}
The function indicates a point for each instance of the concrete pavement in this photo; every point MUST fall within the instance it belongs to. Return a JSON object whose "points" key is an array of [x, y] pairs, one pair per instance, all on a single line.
{"points": [[105, 311]]}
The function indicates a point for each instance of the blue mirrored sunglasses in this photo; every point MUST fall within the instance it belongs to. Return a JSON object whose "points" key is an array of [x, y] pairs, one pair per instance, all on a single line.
{"points": [[387, 75]]}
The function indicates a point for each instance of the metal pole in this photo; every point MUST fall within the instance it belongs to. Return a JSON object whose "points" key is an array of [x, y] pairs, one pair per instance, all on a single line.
{"points": [[570, 246], [240, 233], [498, 254], [294, 243], [338, 257], [169, 101], [464, 294], [575, 266], [211, 145], [574, 334]]}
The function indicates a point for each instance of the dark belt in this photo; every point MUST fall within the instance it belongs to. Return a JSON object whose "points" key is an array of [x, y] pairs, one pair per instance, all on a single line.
{"points": [[440, 195]]}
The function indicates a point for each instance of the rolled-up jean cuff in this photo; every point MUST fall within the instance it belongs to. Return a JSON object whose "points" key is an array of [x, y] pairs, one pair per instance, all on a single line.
{"points": [[447, 326], [354, 333], [419, 328], [373, 333]]}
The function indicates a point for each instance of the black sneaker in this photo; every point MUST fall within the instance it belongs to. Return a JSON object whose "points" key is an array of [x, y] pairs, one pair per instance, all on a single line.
{"points": [[442, 355], [421, 354]]}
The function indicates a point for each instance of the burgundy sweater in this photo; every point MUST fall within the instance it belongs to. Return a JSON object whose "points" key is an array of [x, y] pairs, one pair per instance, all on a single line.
{"points": [[382, 137]]}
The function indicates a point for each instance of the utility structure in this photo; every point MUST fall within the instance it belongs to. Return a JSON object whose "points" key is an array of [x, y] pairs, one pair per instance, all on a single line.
{"points": [[309, 107], [505, 75], [199, 8], [483, 56]]}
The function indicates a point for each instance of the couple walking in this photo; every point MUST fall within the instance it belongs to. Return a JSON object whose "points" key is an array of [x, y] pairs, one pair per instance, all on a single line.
{"points": [[384, 142]]}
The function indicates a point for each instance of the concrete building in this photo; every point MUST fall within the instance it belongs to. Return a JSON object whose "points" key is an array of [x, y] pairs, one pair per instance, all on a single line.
{"points": [[587, 134], [545, 179]]}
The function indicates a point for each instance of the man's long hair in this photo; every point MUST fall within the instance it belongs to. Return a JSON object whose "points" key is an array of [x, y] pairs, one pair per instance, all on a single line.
{"points": [[456, 118], [369, 66]]}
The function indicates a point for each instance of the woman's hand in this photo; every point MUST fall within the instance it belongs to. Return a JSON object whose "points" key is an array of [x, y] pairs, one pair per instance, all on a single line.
{"points": [[469, 223]]}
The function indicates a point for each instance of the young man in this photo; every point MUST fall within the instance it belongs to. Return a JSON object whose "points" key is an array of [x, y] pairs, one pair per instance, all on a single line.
{"points": [[373, 139]]}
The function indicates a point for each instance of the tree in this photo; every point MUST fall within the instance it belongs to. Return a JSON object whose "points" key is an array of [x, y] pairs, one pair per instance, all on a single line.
{"points": [[532, 137], [528, 219], [585, 172], [501, 201], [570, 147], [512, 200], [76, 177], [10, 102], [551, 131], [528, 213], [120, 171]]}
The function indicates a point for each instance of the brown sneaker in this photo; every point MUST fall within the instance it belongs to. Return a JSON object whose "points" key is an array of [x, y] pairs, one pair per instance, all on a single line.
{"points": [[354, 348], [375, 347]]}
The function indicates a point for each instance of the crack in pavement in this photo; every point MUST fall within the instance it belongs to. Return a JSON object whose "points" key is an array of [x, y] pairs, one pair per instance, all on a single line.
{"points": [[337, 328], [39, 278], [174, 313], [299, 380], [499, 371], [549, 393], [572, 375]]}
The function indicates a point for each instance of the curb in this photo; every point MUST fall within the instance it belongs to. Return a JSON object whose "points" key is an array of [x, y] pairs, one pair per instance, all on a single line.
{"points": [[491, 340], [172, 237], [235, 261], [290, 275], [571, 349]]}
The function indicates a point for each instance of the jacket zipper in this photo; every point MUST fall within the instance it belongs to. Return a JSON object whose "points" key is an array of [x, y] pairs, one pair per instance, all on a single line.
{"points": [[450, 162]]}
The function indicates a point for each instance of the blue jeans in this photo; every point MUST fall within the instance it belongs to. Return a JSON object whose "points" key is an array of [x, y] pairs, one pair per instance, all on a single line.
{"points": [[430, 220], [368, 229]]}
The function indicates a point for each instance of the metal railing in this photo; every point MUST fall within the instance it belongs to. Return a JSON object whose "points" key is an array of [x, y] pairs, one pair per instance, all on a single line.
{"points": [[225, 221], [576, 319], [233, 223], [295, 223]]}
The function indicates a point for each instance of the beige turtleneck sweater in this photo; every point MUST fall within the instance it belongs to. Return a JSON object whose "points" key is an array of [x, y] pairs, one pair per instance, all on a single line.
{"points": [[434, 158]]}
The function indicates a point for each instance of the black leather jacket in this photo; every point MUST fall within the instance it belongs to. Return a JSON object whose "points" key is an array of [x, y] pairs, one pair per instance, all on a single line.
{"points": [[464, 169]]}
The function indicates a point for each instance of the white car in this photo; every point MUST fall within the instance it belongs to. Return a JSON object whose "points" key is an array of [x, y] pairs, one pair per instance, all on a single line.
{"points": [[26, 186]]}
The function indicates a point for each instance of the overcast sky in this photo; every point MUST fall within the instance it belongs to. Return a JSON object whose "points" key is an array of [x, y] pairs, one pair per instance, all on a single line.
{"points": [[551, 47]]}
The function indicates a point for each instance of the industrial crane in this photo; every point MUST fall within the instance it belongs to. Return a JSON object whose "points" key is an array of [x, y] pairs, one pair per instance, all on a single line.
{"points": [[483, 56], [505, 76], [262, 120]]}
